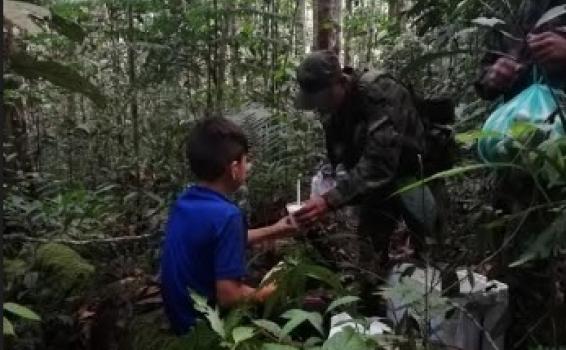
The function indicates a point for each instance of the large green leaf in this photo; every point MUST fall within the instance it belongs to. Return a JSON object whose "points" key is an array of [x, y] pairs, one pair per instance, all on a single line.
{"points": [[296, 317], [551, 14], [269, 326], [22, 15], [274, 346], [454, 172], [212, 315], [349, 299], [67, 27], [8, 327], [21, 311], [57, 74], [240, 334], [546, 243], [347, 339]]}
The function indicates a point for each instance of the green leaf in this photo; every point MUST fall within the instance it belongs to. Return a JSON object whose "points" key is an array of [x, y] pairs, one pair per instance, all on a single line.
{"points": [[296, 317], [212, 315], [491, 22], [494, 23], [347, 339], [551, 239], [342, 301], [67, 27], [274, 346], [269, 326], [240, 334], [21, 15], [8, 327], [57, 74], [323, 274], [21, 311], [551, 14]]}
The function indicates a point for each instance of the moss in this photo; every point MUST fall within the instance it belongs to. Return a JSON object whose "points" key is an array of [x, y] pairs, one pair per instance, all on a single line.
{"points": [[66, 265]]}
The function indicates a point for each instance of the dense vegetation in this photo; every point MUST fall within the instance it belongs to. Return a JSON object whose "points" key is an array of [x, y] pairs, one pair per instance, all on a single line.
{"points": [[99, 96]]}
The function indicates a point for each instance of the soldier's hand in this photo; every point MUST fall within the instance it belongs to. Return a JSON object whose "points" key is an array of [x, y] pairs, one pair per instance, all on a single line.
{"points": [[549, 49], [312, 211], [503, 74]]}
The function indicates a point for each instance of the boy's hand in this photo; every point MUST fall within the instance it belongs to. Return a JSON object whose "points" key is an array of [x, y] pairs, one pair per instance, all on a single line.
{"points": [[312, 211], [549, 49], [285, 227], [263, 293]]}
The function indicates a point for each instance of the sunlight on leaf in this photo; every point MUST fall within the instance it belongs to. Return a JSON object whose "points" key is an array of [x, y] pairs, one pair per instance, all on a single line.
{"points": [[8, 327], [21, 311], [342, 301], [551, 14]]}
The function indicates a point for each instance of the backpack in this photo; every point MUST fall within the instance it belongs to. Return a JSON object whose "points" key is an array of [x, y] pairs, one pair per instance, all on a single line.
{"points": [[438, 116]]}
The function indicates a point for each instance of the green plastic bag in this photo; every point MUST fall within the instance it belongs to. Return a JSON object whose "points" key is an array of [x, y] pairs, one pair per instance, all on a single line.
{"points": [[535, 105]]}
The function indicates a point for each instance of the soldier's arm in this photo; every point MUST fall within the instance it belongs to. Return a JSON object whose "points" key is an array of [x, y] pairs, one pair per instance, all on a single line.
{"points": [[378, 165]]}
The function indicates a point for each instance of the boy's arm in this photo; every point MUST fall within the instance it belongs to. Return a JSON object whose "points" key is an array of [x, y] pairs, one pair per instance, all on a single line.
{"points": [[232, 292], [280, 229]]}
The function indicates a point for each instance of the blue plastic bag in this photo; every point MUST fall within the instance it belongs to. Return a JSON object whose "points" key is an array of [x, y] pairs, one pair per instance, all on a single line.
{"points": [[535, 105]]}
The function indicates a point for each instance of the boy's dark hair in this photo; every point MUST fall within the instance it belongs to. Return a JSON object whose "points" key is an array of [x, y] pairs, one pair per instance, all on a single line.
{"points": [[213, 144]]}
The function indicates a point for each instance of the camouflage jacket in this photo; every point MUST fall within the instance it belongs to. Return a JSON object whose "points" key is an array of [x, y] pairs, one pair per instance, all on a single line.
{"points": [[377, 136], [497, 44]]}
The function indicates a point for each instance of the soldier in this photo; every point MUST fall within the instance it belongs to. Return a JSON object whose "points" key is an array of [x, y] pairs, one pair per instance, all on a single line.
{"points": [[373, 130]]}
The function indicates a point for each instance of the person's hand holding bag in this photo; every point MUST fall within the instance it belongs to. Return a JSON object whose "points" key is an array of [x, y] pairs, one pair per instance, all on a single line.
{"points": [[549, 50]]}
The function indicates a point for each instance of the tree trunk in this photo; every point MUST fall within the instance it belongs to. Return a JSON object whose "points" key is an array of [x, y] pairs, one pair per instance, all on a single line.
{"points": [[220, 48], [394, 12], [371, 33], [300, 29], [235, 53], [347, 36], [134, 110], [327, 25]]}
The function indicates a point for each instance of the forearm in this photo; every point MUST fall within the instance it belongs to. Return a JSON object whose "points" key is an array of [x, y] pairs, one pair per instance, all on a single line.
{"points": [[230, 293], [281, 229]]}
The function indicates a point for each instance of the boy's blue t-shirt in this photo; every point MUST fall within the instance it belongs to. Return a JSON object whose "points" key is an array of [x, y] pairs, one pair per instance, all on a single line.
{"points": [[205, 242]]}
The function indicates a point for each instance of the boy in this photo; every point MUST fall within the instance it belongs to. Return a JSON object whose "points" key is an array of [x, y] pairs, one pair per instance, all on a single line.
{"points": [[206, 235]]}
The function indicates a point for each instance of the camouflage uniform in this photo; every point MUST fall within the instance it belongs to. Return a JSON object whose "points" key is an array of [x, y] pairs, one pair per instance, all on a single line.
{"points": [[377, 136]]}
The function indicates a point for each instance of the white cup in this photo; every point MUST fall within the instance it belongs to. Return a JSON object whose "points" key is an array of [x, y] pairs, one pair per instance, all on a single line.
{"points": [[292, 208]]}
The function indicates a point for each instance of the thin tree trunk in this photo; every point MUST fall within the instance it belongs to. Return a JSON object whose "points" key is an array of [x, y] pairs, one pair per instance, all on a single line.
{"points": [[117, 72], [394, 12], [134, 109], [337, 26], [70, 139], [300, 29], [348, 36], [371, 32], [235, 54], [219, 58]]}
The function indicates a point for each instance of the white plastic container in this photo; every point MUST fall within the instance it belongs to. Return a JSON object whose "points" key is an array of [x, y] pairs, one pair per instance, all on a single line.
{"points": [[480, 309], [292, 208]]}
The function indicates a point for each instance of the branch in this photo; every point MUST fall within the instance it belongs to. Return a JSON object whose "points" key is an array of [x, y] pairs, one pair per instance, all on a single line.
{"points": [[22, 237]]}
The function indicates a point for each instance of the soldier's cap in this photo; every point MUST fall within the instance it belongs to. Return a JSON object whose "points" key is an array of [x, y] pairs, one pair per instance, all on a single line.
{"points": [[315, 76]]}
